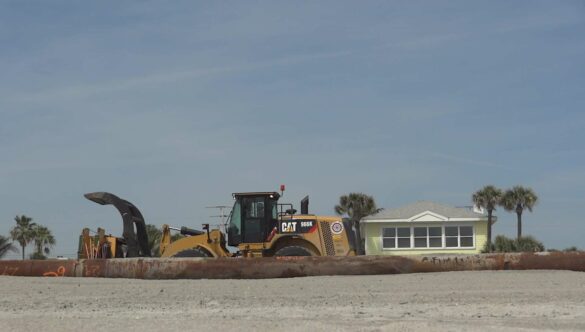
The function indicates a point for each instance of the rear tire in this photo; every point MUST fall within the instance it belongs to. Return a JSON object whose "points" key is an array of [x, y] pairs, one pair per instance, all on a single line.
{"points": [[293, 251], [193, 252]]}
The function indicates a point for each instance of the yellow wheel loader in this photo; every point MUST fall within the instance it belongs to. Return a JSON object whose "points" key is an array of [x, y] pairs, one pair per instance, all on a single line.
{"points": [[258, 226]]}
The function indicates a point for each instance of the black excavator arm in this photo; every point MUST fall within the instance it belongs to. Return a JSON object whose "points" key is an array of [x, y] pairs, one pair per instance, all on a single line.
{"points": [[137, 242]]}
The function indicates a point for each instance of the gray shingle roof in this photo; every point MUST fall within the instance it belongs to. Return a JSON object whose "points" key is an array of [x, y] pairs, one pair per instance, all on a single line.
{"points": [[414, 209]]}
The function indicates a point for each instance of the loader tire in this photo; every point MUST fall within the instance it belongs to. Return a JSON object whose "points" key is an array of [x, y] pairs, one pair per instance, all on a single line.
{"points": [[293, 251], [193, 252]]}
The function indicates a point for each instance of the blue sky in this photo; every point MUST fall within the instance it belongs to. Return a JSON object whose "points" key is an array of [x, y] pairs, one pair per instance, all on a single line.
{"points": [[176, 106]]}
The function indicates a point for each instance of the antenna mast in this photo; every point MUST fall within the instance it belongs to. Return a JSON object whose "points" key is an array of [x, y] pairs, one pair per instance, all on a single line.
{"points": [[222, 214]]}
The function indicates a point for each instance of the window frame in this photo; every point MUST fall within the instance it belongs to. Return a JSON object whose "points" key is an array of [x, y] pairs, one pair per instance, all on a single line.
{"points": [[428, 237], [459, 237]]}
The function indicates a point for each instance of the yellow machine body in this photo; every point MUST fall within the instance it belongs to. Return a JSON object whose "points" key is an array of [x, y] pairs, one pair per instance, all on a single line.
{"points": [[327, 237], [213, 246]]}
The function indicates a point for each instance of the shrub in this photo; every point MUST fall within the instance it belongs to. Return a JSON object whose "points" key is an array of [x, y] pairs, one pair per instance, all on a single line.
{"points": [[485, 248], [504, 244], [37, 255], [524, 244], [528, 243]]}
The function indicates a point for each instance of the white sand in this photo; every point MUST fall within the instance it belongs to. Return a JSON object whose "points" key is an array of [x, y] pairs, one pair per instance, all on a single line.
{"points": [[453, 301]]}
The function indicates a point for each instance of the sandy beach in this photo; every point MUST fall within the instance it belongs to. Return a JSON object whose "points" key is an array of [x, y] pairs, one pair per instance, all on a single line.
{"points": [[450, 301]]}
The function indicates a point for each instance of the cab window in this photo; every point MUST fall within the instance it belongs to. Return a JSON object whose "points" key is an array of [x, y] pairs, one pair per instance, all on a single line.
{"points": [[236, 220], [274, 209], [255, 207]]}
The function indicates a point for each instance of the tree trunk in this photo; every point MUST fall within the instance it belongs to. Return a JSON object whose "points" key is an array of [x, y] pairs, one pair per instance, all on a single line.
{"points": [[22, 251], [489, 231], [519, 214], [358, 238]]}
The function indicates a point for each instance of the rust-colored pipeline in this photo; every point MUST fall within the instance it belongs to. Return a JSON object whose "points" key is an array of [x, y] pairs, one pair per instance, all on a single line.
{"points": [[285, 267]]}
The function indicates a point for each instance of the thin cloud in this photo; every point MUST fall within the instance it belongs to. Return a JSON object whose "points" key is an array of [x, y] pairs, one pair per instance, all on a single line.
{"points": [[85, 91]]}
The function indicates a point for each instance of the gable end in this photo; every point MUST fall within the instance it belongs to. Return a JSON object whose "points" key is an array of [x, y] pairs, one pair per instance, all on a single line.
{"points": [[428, 216]]}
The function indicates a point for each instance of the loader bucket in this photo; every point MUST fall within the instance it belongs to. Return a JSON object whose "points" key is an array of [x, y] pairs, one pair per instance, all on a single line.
{"points": [[137, 242], [98, 197]]}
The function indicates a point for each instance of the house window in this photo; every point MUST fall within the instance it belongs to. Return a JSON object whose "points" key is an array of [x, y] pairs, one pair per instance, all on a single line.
{"points": [[452, 236], [421, 236], [465, 236], [403, 238], [389, 238], [427, 237], [458, 236], [396, 237], [435, 237]]}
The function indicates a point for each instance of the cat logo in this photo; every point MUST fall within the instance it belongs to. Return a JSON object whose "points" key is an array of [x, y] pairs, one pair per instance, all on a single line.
{"points": [[336, 228], [288, 227]]}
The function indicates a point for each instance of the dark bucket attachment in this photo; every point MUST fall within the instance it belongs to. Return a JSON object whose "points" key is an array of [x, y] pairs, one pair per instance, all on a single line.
{"points": [[137, 242]]}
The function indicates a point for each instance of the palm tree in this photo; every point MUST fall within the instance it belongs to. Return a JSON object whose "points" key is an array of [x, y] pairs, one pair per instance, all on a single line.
{"points": [[356, 206], [23, 232], [517, 199], [488, 198], [44, 240], [5, 246], [154, 237]]}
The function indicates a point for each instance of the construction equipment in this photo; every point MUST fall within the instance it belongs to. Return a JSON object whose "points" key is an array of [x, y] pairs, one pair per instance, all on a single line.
{"points": [[134, 241], [99, 246], [258, 226]]}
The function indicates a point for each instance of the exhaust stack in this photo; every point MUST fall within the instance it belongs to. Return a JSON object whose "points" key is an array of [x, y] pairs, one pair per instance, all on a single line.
{"points": [[305, 205]]}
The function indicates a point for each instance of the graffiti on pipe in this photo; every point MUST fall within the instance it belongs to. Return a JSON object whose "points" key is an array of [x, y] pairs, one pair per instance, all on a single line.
{"points": [[9, 271], [92, 271], [455, 261], [290, 258], [59, 273]]}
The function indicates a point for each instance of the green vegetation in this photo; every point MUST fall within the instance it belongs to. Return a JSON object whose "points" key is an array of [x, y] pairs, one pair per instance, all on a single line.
{"points": [[23, 232], [503, 244], [523, 244], [43, 241], [26, 232], [6, 246], [357, 206], [517, 199], [154, 237], [569, 249], [488, 198]]}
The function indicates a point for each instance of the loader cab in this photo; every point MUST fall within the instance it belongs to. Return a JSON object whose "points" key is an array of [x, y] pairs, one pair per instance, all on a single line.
{"points": [[253, 217]]}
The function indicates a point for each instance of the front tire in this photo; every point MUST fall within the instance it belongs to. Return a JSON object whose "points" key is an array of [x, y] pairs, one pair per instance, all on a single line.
{"points": [[193, 252], [293, 251]]}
